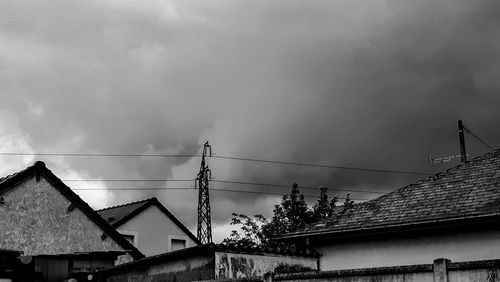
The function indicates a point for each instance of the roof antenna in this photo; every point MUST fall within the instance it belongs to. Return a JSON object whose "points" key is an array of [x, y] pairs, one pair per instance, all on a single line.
{"points": [[463, 155]]}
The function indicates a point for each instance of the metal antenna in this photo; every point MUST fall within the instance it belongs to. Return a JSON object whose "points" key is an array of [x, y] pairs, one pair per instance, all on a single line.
{"points": [[204, 218], [461, 138]]}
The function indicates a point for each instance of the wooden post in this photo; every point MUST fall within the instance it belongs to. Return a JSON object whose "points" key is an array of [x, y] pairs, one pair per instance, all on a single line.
{"points": [[461, 137]]}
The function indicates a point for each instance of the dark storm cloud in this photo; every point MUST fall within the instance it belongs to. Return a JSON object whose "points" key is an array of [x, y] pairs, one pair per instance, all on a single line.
{"points": [[376, 84]]}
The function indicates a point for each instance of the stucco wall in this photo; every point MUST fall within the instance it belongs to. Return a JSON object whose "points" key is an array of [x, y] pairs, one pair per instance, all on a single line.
{"points": [[489, 275], [406, 277], [441, 270], [463, 246], [155, 230], [234, 265], [187, 269], [35, 219]]}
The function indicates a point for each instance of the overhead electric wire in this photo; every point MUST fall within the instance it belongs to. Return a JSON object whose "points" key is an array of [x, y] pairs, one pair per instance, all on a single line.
{"points": [[225, 181], [100, 155], [300, 187], [478, 138], [129, 180], [321, 165], [191, 189], [218, 157]]}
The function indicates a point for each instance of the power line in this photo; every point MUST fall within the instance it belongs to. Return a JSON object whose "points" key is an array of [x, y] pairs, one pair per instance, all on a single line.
{"points": [[269, 193], [478, 138], [322, 165], [218, 157], [129, 180], [229, 182], [300, 187], [191, 189], [101, 155]]}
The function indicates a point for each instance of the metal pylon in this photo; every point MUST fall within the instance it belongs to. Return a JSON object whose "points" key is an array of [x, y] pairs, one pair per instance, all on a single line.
{"points": [[202, 181]]}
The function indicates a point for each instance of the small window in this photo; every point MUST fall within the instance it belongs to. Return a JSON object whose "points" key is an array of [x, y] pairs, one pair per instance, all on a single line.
{"points": [[129, 238], [177, 244]]}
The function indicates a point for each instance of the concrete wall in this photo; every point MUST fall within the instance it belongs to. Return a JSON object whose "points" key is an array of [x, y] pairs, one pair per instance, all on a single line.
{"points": [[187, 269], [155, 231], [238, 265], [442, 270], [35, 219], [366, 252], [202, 263]]}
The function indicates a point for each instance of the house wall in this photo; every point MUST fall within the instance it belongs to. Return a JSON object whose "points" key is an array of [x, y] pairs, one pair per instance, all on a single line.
{"points": [[155, 230], [410, 250], [239, 265], [35, 219], [193, 268]]}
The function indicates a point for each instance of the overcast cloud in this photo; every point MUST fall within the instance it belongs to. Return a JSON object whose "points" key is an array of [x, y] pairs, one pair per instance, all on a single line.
{"points": [[377, 84]]}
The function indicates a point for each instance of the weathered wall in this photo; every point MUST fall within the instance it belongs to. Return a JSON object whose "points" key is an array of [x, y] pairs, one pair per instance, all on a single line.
{"points": [[187, 269], [35, 219], [407, 277], [487, 275], [237, 265], [368, 252], [442, 270], [155, 230]]}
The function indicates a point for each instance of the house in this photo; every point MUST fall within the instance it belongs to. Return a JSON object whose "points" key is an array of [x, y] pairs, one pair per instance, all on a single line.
{"points": [[454, 214], [150, 226], [209, 262], [46, 221]]}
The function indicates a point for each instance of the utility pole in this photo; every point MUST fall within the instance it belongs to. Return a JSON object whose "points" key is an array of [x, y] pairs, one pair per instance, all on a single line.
{"points": [[202, 181], [461, 137]]}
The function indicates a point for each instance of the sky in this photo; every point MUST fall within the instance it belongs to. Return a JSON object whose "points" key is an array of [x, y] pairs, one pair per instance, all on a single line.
{"points": [[372, 84]]}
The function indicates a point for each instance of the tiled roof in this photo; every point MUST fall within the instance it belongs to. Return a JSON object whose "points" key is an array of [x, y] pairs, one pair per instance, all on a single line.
{"points": [[116, 214], [466, 191]]}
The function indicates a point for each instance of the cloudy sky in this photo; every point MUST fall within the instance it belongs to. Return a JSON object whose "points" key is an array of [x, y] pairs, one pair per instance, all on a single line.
{"points": [[374, 84]]}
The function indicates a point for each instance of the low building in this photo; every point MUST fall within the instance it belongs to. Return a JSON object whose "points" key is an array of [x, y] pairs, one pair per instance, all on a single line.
{"points": [[42, 217], [150, 226], [454, 214], [208, 262]]}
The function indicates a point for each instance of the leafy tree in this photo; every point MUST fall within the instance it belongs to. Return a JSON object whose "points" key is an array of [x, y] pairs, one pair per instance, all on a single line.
{"points": [[290, 215]]}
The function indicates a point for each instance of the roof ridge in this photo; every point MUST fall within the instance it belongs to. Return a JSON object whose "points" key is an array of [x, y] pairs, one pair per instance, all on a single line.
{"points": [[127, 204]]}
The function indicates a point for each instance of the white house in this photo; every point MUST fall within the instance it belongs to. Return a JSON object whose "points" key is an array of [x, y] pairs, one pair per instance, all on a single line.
{"points": [[149, 226], [454, 214]]}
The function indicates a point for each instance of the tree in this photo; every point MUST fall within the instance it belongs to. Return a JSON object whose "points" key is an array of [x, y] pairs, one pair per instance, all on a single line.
{"points": [[290, 215], [251, 236], [323, 208]]}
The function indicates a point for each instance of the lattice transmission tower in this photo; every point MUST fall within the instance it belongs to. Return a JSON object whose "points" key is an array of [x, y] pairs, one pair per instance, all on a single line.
{"points": [[202, 182]]}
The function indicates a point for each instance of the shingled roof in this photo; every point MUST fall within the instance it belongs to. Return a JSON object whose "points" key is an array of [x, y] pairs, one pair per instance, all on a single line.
{"points": [[118, 215], [466, 192]]}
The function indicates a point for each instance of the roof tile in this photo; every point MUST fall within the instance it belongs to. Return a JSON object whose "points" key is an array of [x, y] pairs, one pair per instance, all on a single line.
{"points": [[464, 190]]}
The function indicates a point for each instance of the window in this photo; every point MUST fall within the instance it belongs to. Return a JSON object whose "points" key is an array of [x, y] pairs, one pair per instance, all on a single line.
{"points": [[177, 244], [131, 236]]}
